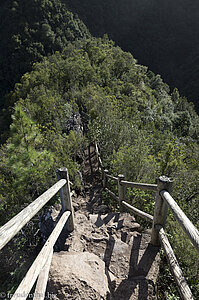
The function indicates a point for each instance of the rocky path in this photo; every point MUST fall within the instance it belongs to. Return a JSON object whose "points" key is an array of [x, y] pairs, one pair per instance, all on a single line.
{"points": [[106, 257]]}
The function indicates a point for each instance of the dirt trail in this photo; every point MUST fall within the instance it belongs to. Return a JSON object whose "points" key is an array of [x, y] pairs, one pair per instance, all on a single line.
{"points": [[107, 256]]}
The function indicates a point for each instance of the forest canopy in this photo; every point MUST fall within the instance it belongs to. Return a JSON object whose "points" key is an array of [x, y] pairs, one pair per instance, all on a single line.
{"points": [[31, 30], [161, 35]]}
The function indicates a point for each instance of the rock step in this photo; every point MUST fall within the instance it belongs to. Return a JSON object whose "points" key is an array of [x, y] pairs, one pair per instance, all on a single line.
{"points": [[108, 258]]}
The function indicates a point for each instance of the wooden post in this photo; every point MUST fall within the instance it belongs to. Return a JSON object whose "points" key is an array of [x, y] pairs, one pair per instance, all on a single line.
{"points": [[102, 176], [161, 208], [97, 154], [105, 179], [90, 160], [65, 196], [121, 190]]}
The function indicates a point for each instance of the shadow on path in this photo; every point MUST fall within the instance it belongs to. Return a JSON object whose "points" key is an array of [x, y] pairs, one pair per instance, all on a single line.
{"points": [[138, 271]]}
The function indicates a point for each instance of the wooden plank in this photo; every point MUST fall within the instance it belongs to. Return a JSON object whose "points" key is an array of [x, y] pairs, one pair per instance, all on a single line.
{"points": [[97, 149], [138, 212], [42, 280], [98, 155], [141, 186], [105, 178], [182, 285], [100, 162], [182, 219], [121, 190], [11, 228], [90, 160], [27, 283], [112, 194], [112, 177]]}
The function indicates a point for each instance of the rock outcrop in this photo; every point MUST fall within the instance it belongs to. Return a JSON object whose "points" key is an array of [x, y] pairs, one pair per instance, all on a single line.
{"points": [[78, 275]]}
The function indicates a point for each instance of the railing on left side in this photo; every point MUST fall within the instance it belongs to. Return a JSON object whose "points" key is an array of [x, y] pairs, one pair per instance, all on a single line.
{"points": [[41, 265]]}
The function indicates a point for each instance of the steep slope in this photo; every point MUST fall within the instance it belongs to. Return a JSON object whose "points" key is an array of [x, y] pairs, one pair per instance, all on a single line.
{"points": [[31, 30], [126, 108], [143, 130], [162, 35]]}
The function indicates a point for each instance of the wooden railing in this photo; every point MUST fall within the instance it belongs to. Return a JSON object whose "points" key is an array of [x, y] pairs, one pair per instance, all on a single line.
{"points": [[163, 201], [40, 267]]}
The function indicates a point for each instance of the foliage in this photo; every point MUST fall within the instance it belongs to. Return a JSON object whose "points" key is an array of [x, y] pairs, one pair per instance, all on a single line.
{"points": [[143, 130], [31, 30], [162, 36]]}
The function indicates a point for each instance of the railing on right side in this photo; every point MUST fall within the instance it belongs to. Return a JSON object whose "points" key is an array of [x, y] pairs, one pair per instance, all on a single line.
{"points": [[158, 235]]}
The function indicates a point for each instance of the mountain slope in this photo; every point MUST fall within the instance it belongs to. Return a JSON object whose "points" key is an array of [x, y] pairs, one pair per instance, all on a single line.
{"points": [[31, 30], [162, 35]]}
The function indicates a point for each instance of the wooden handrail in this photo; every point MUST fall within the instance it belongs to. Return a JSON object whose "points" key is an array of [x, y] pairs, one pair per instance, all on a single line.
{"points": [[27, 283], [12, 227], [182, 285], [163, 201], [141, 186], [138, 212], [111, 177], [112, 195], [41, 264], [40, 289], [182, 219]]}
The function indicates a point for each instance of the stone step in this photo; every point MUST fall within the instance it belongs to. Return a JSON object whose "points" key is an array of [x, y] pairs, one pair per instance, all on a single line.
{"points": [[129, 262]]}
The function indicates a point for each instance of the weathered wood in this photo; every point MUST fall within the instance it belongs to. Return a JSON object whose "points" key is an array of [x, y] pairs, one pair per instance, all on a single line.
{"points": [[100, 162], [121, 190], [105, 178], [97, 149], [65, 196], [89, 158], [27, 283], [98, 156], [112, 194], [182, 285], [138, 212], [11, 228], [161, 208], [182, 219], [141, 186], [39, 293], [112, 177]]}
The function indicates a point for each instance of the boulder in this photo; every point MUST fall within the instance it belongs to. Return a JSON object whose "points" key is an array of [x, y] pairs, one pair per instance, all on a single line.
{"points": [[78, 275]]}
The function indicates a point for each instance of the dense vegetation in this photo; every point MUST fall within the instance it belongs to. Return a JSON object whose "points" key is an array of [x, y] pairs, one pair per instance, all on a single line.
{"points": [[143, 129], [30, 30], [162, 35]]}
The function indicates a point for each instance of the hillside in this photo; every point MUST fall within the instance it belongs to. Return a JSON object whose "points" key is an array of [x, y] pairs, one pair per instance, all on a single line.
{"points": [[163, 36], [143, 131], [31, 30], [76, 89]]}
